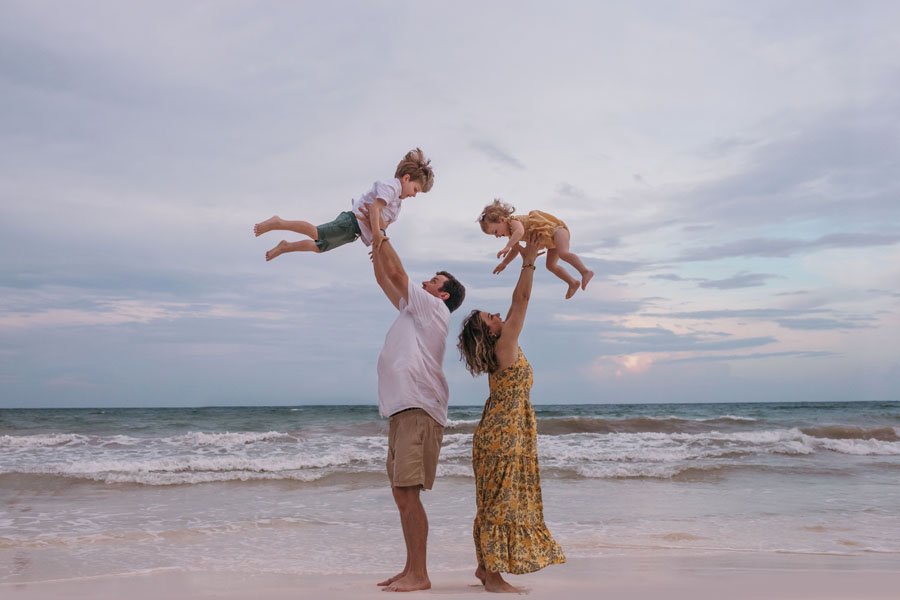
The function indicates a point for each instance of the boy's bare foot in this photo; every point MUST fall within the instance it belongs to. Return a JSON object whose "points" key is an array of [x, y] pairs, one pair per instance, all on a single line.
{"points": [[276, 251], [266, 226], [408, 584], [496, 583], [573, 287], [586, 278], [391, 580]]}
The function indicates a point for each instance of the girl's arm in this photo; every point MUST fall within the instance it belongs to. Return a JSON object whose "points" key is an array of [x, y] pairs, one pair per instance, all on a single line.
{"points": [[509, 258], [507, 345], [516, 231]]}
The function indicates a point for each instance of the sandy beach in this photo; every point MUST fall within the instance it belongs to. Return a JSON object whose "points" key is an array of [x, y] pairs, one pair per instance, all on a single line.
{"points": [[737, 576], [668, 501]]}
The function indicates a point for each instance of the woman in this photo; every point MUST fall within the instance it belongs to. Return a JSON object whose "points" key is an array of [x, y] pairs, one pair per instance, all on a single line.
{"points": [[510, 534]]}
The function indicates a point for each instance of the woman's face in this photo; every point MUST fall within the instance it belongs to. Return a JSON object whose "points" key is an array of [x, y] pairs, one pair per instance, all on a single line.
{"points": [[493, 321]]}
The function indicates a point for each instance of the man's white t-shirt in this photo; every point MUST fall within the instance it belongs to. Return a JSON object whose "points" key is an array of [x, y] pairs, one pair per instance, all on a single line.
{"points": [[410, 373], [389, 191]]}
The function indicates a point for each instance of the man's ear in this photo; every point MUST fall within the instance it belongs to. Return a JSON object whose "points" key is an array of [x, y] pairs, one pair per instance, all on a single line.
{"points": [[444, 295]]}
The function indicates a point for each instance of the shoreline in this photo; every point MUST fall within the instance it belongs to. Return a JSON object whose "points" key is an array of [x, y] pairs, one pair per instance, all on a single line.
{"points": [[642, 576]]}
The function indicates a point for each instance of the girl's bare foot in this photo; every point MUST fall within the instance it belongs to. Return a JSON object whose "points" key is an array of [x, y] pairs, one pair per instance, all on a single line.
{"points": [[586, 278], [495, 583], [276, 251], [266, 226], [573, 287]]}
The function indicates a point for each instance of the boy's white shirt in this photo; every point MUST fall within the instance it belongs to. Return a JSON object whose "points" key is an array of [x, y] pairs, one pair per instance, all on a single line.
{"points": [[389, 191], [410, 366]]}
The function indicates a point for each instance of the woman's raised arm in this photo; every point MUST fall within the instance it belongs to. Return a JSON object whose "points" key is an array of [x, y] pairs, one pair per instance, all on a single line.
{"points": [[507, 345]]}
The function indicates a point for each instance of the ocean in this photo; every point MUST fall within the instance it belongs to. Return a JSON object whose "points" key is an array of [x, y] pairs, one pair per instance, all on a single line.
{"points": [[298, 490]]}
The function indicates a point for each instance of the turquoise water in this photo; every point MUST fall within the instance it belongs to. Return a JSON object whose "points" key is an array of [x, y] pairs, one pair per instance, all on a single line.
{"points": [[92, 492]]}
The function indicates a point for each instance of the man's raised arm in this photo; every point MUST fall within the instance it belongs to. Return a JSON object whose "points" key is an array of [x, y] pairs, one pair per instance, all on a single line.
{"points": [[389, 272]]}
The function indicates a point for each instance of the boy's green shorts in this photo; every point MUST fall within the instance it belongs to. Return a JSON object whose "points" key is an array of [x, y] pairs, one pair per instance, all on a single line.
{"points": [[343, 230]]}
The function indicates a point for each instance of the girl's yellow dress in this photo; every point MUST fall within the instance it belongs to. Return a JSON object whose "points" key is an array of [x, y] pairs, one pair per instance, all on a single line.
{"points": [[510, 534], [543, 223]]}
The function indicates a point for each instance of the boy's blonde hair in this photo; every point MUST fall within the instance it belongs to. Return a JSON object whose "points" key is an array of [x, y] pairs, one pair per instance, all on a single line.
{"points": [[417, 167], [493, 211]]}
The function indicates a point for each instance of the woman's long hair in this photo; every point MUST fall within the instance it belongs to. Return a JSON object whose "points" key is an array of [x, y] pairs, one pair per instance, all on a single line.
{"points": [[476, 345]]}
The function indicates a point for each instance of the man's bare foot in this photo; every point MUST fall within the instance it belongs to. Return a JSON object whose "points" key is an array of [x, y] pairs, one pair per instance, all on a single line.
{"points": [[479, 573], [496, 583], [585, 279], [276, 251], [573, 287], [391, 580], [408, 584], [267, 225]]}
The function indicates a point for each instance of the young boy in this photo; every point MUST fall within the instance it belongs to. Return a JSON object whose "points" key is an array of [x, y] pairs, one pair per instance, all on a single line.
{"points": [[414, 175]]}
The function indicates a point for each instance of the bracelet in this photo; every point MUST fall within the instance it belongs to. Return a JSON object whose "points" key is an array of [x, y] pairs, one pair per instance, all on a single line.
{"points": [[531, 266]]}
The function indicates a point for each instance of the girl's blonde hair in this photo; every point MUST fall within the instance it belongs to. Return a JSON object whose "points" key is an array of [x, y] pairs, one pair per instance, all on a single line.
{"points": [[493, 211], [476, 345], [418, 168]]}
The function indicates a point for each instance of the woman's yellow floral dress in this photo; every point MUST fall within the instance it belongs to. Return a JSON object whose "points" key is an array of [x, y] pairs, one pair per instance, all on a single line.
{"points": [[510, 534]]}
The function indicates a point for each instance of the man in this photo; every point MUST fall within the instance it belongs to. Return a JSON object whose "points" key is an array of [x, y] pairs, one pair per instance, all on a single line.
{"points": [[412, 391]]}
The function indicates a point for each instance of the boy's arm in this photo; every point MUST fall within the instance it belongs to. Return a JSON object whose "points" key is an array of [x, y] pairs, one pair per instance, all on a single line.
{"points": [[516, 231], [375, 221]]}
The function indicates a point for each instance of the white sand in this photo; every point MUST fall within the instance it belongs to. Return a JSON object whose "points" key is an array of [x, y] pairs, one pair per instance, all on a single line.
{"points": [[669, 576]]}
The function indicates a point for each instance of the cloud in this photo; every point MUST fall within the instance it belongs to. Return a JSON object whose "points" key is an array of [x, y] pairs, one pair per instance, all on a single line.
{"points": [[495, 153], [105, 312], [569, 190], [613, 338], [831, 165], [754, 356], [783, 248], [741, 280], [723, 146], [819, 324], [737, 313]]}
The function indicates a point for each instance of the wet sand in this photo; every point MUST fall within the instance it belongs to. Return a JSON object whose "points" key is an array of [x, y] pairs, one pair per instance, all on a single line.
{"points": [[670, 576]]}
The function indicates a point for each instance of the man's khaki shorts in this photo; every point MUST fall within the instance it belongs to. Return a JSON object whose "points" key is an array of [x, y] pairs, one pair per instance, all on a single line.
{"points": [[414, 444]]}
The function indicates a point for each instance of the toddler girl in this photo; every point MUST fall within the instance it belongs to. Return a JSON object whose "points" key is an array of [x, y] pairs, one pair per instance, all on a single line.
{"points": [[498, 220]]}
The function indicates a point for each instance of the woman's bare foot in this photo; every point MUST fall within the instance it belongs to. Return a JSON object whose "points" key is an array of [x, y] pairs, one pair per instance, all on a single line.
{"points": [[408, 584], [267, 225], [391, 580], [479, 573], [586, 278], [573, 287], [277, 250], [495, 583]]}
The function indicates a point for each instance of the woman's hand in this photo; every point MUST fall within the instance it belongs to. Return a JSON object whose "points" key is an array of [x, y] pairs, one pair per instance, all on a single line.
{"points": [[532, 248]]}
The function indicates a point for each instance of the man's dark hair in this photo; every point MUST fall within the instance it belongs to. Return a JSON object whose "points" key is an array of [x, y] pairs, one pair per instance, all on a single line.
{"points": [[456, 290]]}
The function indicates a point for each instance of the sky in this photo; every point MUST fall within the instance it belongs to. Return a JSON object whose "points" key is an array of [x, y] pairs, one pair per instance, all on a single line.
{"points": [[729, 170]]}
